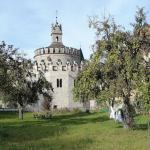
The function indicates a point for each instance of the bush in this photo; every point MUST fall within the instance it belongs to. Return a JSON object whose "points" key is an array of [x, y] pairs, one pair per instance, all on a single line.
{"points": [[42, 115]]}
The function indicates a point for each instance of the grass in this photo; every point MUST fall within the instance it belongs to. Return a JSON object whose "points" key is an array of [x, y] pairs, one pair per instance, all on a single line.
{"points": [[78, 131]]}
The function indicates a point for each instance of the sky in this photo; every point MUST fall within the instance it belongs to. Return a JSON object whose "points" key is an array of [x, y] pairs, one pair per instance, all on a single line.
{"points": [[27, 23]]}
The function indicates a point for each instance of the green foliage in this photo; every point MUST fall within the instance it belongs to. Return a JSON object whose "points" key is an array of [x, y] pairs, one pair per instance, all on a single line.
{"points": [[18, 83], [117, 67], [7, 53], [43, 115], [86, 83], [144, 96]]}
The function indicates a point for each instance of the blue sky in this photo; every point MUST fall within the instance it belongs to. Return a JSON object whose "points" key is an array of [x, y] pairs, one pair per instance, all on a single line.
{"points": [[27, 23]]}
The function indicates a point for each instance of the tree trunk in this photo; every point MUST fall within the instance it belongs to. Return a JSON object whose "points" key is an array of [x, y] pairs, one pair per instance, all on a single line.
{"points": [[128, 113], [20, 109], [87, 106]]}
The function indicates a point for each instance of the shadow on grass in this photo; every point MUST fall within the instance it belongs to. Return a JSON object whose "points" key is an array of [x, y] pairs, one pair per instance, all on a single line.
{"points": [[68, 119], [136, 126], [119, 125], [8, 115], [79, 118], [32, 130], [70, 144], [29, 133], [143, 126]]}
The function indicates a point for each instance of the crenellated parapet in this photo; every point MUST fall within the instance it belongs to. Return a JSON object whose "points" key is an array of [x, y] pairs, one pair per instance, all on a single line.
{"points": [[60, 50], [57, 56]]}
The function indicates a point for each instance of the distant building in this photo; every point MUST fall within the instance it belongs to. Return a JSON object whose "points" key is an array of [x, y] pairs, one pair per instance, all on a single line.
{"points": [[60, 65]]}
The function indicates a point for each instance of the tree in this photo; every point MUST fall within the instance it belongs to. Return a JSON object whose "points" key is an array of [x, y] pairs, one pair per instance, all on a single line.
{"points": [[86, 86], [118, 67], [7, 54], [19, 82]]}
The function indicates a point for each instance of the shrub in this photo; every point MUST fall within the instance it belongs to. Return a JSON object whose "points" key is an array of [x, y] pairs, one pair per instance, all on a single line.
{"points": [[42, 115]]}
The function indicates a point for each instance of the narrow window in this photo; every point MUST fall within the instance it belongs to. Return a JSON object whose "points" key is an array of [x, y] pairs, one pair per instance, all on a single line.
{"points": [[72, 69], [60, 82], [56, 38], [57, 82]]}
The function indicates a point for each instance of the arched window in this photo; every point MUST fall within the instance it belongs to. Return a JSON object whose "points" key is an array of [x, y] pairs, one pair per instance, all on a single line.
{"points": [[56, 38]]}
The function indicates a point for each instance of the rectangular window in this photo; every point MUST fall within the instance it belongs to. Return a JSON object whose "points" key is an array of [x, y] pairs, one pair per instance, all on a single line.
{"points": [[60, 82], [63, 68], [57, 82]]}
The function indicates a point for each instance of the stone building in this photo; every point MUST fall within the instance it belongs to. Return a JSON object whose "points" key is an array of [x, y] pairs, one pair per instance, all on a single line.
{"points": [[60, 65]]}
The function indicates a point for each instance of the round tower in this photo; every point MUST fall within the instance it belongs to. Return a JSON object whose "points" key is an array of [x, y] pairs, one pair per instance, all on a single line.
{"points": [[60, 65]]}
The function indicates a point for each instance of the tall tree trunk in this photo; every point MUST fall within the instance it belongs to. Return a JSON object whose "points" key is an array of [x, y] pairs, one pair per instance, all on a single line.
{"points": [[128, 113], [20, 109], [87, 106]]}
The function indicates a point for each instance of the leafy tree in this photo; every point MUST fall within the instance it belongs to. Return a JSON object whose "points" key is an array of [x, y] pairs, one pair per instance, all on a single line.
{"points": [[18, 81], [118, 68], [7, 54]]}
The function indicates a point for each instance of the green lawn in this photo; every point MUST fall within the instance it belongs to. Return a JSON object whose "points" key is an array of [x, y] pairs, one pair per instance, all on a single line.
{"points": [[70, 132]]}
